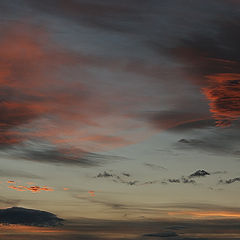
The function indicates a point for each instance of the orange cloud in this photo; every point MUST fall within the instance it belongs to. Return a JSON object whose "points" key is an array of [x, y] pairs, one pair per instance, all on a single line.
{"points": [[92, 193], [223, 94], [40, 103], [212, 63], [33, 189], [10, 181]]}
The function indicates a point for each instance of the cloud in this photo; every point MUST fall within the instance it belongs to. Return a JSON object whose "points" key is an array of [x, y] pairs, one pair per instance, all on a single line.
{"points": [[183, 179], [93, 14], [191, 141], [11, 181], [30, 217], [213, 141], [173, 180], [212, 61], [131, 183], [117, 178], [104, 174], [39, 105], [230, 181], [126, 174], [163, 234], [33, 189], [150, 182], [186, 180], [45, 152], [199, 173], [207, 214]]}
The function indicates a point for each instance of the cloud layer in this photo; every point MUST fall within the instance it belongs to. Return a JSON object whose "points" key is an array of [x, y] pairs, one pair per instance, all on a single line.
{"points": [[30, 217]]}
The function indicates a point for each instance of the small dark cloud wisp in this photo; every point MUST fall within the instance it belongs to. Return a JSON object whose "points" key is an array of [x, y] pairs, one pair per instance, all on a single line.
{"points": [[163, 234], [199, 173], [230, 181]]}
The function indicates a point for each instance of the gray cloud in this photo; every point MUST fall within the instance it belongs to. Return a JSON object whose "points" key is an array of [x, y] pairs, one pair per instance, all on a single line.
{"points": [[215, 141], [17, 173], [48, 153]]}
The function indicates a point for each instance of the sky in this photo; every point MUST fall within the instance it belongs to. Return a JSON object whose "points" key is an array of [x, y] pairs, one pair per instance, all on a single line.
{"points": [[119, 119]]}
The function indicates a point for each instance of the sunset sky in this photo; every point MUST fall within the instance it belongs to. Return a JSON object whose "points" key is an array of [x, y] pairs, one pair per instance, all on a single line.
{"points": [[121, 118]]}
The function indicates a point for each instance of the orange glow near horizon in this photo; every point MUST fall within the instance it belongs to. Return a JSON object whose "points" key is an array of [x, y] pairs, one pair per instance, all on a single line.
{"points": [[207, 214], [29, 229]]}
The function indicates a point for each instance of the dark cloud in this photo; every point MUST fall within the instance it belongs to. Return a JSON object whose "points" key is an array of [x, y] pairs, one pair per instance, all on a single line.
{"points": [[49, 153], [131, 183], [190, 141], [95, 14], [30, 217], [174, 180], [163, 234], [213, 62], [104, 174], [176, 227], [192, 238], [180, 180], [217, 141], [38, 104], [187, 180], [199, 173], [118, 179], [150, 182], [230, 181], [62, 156]]}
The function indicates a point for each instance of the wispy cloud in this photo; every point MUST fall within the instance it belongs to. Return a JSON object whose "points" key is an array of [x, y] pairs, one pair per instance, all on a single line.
{"points": [[33, 189], [155, 166], [230, 180]]}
